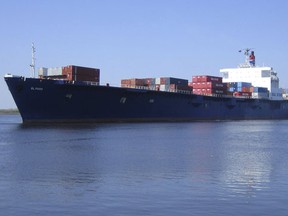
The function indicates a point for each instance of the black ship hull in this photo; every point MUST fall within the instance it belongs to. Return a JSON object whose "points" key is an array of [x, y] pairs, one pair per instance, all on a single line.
{"points": [[44, 100]]}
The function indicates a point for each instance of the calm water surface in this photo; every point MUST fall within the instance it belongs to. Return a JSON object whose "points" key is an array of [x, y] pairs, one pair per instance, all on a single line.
{"points": [[201, 168]]}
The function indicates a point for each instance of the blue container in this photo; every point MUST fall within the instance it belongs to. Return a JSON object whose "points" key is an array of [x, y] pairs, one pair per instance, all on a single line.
{"points": [[243, 84], [231, 89], [260, 89]]}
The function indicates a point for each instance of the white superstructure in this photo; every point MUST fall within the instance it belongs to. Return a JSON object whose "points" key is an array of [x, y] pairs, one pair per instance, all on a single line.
{"points": [[257, 76]]}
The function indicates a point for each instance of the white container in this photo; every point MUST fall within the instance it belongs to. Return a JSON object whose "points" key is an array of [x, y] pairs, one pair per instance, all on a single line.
{"points": [[157, 81], [43, 71]]}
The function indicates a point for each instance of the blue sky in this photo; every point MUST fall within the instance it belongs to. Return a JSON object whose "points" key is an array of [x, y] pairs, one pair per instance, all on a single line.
{"points": [[141, 38]]}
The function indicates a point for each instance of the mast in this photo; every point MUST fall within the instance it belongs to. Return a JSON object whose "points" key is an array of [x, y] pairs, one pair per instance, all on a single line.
{"points": [[32, 65], [248, 62]]}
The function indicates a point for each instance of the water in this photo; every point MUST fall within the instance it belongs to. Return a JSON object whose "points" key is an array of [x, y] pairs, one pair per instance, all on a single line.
{"points": [[201, 168]]}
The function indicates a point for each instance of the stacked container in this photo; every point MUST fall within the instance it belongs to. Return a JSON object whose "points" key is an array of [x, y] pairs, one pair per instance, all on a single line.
{"points": [[208, 85], [50, 72], [239, 87], [134, 82], [260, 92], [171, 83], [71, 72], [160, 84], [77, 73], [244, 89]]}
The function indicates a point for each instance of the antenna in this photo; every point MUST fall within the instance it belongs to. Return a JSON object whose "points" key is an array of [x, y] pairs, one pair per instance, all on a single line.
{"points": [[247, 59], [32, 65]]}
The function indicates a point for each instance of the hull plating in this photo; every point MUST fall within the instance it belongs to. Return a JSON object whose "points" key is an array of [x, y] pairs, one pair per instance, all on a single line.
{"points": [[40, 100]]}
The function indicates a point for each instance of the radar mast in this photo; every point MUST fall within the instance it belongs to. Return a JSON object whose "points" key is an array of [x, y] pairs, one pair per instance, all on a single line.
{"points": [[32, 65], [249, 58]]}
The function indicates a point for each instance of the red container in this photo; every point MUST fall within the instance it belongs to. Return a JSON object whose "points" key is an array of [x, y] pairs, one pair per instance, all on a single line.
{"points": [[149, 81], [247, 89], [126, 81], [215, 91], [243, 94], [211, 79], [197, 91], [172, 87], [163, 80], [194, 79], [78, 73], [138, 82], [157, 87], [215, 85], [196, 85]]}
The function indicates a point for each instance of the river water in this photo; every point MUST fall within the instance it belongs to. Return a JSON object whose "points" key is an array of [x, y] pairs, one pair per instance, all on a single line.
{"points": [[199, 168]]}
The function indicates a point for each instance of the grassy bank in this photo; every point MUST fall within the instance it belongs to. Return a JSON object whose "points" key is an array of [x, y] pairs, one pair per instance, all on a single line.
{"points": [[9, 111]]}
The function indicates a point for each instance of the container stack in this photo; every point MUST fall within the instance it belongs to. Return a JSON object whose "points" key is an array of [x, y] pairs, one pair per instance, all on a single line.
{"points": [[71, 72], [50, 72], [78, 73], [42, 72], [260, 92], [171, 83], [208, 85], [239, 87], [160, 84], [244, 89], [138, 83]]}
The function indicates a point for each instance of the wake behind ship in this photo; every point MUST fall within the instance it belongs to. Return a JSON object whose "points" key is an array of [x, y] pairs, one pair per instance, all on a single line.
{"points": [[73, 94]]}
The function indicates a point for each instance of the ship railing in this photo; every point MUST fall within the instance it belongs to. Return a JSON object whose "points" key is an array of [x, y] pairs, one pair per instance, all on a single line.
{"points": [[143, 87], [189, 92], [180, 91], [91, 83]]}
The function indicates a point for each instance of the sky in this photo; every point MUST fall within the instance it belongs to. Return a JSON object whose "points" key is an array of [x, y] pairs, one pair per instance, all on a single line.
{"points": [[141, 38]]}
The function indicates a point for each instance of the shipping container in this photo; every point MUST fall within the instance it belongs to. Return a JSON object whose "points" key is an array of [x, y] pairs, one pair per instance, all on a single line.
{"points": [[197, 91], [194, 79], [54, 71], [244, 94], [43, 71], [215, 85], [164, 87], [211, 79], [126, 81], [174, 87], [196, 85], [239, 85], [209, 91], [244, 84], [260, 89], [128, 86], [246, 89], [215, 91], [260, 95], [78, 73], [137, 82], [150, 81], [172, 80], [158, 81], [231, 89]]}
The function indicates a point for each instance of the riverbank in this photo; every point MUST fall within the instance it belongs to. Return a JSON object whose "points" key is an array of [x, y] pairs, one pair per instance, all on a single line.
{"points": [[8, 111]]}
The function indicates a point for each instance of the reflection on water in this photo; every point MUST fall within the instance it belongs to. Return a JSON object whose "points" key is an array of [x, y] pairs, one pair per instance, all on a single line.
{"points": [[201, 168], [247, 172], [248, 162]]}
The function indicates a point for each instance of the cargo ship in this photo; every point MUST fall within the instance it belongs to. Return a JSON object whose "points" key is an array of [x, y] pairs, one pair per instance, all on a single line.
{"points": [[74, 94]]}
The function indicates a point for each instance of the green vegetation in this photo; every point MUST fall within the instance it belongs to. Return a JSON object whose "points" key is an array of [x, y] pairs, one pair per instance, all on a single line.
{"points": [[8, 111]]}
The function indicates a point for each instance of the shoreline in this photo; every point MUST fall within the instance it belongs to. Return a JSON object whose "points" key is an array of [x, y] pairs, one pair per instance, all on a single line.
{"points": [[8, 111]]}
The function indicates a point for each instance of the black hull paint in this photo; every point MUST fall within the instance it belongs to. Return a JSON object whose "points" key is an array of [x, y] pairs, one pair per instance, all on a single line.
{"points": [[46, 101]]}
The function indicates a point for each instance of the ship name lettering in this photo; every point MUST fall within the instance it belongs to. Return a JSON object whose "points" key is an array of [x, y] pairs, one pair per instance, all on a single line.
{"points": [[36, 89]]}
